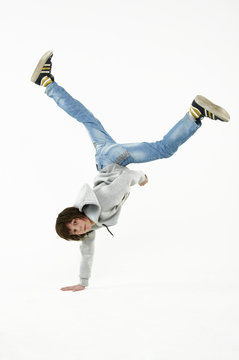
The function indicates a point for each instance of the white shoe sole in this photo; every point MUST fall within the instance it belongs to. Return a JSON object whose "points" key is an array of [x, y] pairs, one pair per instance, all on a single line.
{"points": [[40, 65], [218, 111]]}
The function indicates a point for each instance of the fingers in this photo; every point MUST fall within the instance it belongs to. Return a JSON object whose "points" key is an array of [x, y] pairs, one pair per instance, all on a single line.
{"points": [[145, 181], [73, 288], [67, 288]]}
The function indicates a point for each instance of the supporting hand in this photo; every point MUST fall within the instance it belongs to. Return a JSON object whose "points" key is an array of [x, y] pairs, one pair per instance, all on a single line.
{"points": [[73, 288]]}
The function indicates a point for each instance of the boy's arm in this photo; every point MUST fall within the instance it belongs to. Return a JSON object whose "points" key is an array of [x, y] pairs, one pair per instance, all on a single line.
{"points": [[87, 252], [112, 193], [87, 248]]}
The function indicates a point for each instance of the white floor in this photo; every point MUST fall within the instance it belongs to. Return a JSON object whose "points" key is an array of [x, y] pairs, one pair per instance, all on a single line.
{"points": [[166, 286], [122, 321]]}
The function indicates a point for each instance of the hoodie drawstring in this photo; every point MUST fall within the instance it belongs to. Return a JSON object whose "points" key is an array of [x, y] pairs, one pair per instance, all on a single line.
{"points": [[108, 229]]}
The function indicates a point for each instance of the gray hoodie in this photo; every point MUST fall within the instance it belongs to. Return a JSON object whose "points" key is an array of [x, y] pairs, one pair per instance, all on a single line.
{"points": [[102, 204]]}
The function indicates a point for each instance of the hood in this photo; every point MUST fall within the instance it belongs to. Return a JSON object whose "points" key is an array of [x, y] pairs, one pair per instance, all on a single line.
{"points": [[88, 203]]}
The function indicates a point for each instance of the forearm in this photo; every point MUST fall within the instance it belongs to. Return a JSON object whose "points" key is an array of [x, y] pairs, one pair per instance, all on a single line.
{"points": [[85, 269], [87, 254]]}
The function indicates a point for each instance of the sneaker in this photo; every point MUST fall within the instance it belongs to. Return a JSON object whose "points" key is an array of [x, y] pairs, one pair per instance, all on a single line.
{"points": [[203, 107], [42, 74]]}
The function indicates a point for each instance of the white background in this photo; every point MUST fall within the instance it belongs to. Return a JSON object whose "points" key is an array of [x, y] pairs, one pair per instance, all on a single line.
{"points": [[166, 286]]}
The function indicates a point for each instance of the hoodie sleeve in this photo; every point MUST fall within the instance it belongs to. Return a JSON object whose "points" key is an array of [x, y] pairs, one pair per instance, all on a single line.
{"points": [[112, 193], [87, 252]]}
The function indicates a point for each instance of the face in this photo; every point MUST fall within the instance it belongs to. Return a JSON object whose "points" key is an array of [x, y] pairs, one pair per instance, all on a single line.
{"points": [[79, 226]]}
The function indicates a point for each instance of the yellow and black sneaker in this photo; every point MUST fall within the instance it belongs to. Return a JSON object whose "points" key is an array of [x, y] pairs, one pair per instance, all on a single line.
{"points": [[42, 74], [203, 107]]}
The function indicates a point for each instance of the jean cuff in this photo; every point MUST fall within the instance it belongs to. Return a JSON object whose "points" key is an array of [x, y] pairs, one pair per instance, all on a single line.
{"points": [[48, 88], [197, 122]]}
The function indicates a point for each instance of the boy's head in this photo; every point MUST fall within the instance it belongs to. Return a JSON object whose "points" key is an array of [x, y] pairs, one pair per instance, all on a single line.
{"points": [[71, 224]]}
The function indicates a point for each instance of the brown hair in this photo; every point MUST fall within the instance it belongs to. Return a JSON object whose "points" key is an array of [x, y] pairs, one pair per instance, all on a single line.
{"points": [[66, 216]]}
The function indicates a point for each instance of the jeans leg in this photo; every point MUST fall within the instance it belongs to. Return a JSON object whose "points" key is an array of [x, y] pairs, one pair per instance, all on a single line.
{"points": [[107, 150], [124, 154], [74, 108], [145, 151]]}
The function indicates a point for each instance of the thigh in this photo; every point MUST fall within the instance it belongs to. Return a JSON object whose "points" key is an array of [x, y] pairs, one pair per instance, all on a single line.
{"points": [[124, 154], [141, 152]]}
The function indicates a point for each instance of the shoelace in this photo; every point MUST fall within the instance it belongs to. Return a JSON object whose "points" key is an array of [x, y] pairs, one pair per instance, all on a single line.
{"points": [[107, 229]]}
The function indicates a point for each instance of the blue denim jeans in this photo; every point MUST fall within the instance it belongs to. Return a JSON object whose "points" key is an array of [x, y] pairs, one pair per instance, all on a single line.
{"points": [[107, 150]]}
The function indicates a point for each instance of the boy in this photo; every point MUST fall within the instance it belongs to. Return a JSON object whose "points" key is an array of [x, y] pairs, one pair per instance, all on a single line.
{"points": [[100, 206]]}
